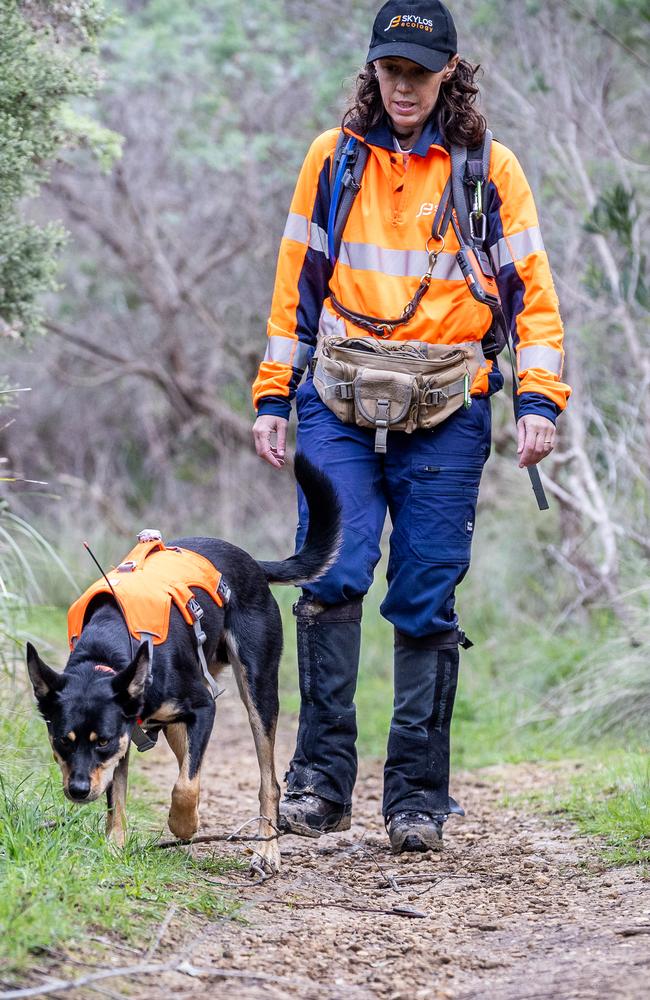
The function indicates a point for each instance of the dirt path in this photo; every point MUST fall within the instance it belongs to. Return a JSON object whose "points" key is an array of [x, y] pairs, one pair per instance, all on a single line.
{"points": [[516, 907]]}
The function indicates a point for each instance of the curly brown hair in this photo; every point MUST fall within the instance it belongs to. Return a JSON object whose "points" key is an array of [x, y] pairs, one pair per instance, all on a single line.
{"points": [[454, 113]]}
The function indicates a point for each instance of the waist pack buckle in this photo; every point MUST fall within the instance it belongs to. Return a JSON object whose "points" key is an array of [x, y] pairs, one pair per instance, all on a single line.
{"points": [[434, 397]]}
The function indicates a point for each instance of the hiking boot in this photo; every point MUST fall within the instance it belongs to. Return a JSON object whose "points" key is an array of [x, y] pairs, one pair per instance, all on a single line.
{"points": [[307, 815], [324, 762], [415, 831]]}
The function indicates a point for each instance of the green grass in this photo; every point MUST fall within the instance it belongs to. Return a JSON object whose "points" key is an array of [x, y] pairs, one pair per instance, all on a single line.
{"points": [[60, 878], [611, 800], [59, 882]]}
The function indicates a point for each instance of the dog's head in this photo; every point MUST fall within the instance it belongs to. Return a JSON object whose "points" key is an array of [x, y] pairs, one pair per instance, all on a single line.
{"points": [[89, 712]]}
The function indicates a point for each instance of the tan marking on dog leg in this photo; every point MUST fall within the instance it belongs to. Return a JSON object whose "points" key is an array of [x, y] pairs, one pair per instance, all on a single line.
{"points": [[116, 816], [165, 713], [267, 851], [184, 810]]}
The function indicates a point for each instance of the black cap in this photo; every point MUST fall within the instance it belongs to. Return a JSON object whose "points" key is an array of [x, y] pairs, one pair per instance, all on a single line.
{"points": [[422, 31]]}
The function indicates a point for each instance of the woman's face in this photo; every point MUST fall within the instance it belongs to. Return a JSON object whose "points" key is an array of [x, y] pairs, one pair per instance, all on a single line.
{"points": [[409, 92]]}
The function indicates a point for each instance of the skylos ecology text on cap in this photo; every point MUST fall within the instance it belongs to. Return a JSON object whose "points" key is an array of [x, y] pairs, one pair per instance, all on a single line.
{"points": [[423, 32]]}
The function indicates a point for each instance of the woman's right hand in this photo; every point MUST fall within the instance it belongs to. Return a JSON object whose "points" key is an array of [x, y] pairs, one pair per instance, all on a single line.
{"points": [[263, 428]]}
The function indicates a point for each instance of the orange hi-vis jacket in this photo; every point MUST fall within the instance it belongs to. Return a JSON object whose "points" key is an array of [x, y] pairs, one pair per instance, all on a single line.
{"points": [[383, 257], [145, 583]]}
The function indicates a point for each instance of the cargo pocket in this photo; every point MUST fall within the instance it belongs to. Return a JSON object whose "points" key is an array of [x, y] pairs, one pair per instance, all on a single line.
{"points": [[443, 513]]}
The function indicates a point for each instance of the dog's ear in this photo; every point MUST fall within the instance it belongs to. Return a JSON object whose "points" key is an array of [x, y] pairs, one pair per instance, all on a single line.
{"points": [[45, 681], [130, 683]]}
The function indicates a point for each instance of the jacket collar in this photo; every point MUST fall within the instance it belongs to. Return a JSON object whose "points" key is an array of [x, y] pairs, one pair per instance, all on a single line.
{"points": [[381, 135]]}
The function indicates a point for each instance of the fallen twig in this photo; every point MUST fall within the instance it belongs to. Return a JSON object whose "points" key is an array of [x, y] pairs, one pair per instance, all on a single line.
{"points": [[633, 931], [162, 930], [233, 837], [399, 910], [210, 838], [390, 880], [434, 877], [147, 968]]}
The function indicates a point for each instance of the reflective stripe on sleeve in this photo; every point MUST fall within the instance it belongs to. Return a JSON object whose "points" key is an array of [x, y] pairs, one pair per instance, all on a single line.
{"points": [[540, 357], [398, 263], [513, 248], [287, 351], [300, 229], [331, 326]]}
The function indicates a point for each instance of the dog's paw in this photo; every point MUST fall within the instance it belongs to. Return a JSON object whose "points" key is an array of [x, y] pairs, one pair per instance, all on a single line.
{"points": [[117, 836], [266, 861], [116, 829], [183, 823]]}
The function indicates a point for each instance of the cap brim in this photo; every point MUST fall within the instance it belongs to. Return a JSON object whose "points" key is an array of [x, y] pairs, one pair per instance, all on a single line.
{"points": [[431, 59]]}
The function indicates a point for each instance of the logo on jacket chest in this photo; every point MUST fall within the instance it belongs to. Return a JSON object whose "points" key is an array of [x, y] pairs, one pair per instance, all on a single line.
{"points": [[426, 208]]}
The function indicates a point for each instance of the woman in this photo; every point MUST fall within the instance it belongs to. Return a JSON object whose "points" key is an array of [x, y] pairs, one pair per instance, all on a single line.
{"points": [[414, 100]]}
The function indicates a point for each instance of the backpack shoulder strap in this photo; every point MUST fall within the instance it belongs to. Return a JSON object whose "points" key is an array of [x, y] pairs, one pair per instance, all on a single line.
{"points": [[348, 164], [336, 159], [469, 174]]}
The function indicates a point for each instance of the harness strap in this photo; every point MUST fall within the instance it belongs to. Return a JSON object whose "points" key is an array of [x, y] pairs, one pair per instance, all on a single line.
{"points": [[468, 168], [442, 218], [458, 162], [145, 739], [384, 327], [196, 611]]}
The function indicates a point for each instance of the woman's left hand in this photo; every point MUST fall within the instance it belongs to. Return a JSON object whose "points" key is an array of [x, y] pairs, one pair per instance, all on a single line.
{"points": [[535, 439]]}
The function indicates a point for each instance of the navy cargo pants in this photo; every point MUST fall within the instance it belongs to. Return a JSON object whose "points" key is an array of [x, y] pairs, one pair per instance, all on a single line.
{"points": [[428, 481]]}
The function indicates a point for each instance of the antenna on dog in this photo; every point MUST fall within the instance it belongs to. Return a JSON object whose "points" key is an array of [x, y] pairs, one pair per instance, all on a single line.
{"points": [[117, 600]]}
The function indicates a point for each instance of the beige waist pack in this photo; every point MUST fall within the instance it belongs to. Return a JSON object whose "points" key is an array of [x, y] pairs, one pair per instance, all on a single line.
{"points": [[394, 385]]}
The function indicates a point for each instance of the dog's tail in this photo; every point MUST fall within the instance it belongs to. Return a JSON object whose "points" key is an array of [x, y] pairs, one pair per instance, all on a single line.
{"points": [[323, 533]]}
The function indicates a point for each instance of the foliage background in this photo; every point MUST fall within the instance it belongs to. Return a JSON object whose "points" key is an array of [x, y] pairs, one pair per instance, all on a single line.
{"points": [[173, 178], [148, 151]]}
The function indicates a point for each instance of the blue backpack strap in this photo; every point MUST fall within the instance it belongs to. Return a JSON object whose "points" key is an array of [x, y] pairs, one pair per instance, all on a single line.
{"points": [[350, 158]]}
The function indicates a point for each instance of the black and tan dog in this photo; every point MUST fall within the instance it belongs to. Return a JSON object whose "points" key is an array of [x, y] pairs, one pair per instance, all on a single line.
{"points": [[91, 708]]}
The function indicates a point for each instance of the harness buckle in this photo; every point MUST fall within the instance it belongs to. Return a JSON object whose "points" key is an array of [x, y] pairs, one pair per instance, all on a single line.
{"points": [[127, 567], [195, 609], [223, 590], [348, 181]]}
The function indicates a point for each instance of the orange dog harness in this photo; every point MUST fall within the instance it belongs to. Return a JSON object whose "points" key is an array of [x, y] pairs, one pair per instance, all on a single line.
{"points": [[146, 583]]}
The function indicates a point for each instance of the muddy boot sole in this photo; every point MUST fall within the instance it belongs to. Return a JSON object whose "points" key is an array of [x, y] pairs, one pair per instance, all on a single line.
{"points": [[417, 838], [294, 819]]}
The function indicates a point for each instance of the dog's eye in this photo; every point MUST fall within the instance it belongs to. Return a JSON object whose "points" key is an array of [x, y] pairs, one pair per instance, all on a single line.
{"points": [[103, 743]]}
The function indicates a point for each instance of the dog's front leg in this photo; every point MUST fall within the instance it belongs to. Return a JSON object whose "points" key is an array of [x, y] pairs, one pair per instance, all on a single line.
{"points": [[267, 851], [116, 802], [188, 741]]}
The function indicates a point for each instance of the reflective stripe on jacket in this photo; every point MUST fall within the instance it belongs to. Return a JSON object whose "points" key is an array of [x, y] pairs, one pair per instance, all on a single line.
{"points": [[383, 256]]}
